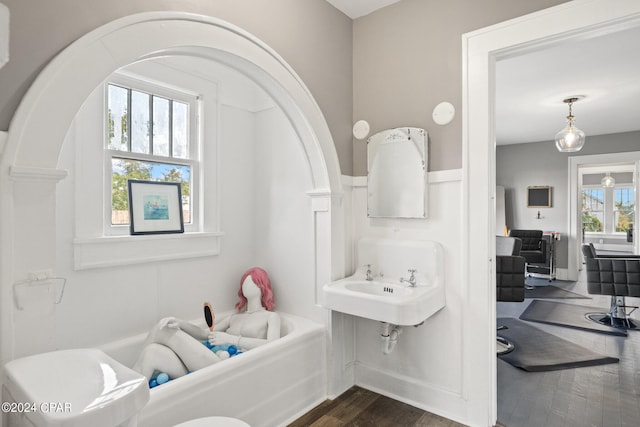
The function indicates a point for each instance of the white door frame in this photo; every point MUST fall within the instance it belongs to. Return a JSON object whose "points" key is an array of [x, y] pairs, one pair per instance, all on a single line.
{"points": [[569, 21]]}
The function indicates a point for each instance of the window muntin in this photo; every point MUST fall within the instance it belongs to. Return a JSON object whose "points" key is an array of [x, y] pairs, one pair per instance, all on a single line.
{"points": [[150, 135]]}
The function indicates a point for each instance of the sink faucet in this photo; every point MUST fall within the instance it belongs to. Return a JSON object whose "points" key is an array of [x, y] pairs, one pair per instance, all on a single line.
{"points": [[412, 279], [369, 273]]}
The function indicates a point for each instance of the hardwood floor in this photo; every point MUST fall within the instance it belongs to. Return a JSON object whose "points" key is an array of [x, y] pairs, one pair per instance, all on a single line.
{"points": [[599, 396], [358, 407]]}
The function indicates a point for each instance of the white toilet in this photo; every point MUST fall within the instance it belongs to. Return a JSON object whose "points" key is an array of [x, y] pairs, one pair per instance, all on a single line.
{"points": [[79, 388]]}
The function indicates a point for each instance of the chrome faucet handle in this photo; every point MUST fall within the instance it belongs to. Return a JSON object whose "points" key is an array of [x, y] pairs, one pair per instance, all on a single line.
{"points": [[412, 279], [368, 272]]}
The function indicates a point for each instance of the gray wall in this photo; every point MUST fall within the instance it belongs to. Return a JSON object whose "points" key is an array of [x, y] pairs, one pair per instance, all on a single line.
{"points": [[311, 35], [408, 58], [540, 163]]}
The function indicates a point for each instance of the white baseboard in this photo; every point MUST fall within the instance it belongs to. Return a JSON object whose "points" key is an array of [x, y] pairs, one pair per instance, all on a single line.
{"points": [[412, 391]]}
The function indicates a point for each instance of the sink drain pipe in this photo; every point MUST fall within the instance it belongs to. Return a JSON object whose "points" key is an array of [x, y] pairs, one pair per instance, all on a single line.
{"points": [[389, 335]]}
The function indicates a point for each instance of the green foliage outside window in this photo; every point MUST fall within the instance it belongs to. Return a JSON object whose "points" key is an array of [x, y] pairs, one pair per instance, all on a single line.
{"points": [[126, 169], [625, 216], [591, 223]]}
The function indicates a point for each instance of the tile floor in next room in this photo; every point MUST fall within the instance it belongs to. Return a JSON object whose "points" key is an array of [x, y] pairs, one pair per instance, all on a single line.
{"points": [[599, 396]]}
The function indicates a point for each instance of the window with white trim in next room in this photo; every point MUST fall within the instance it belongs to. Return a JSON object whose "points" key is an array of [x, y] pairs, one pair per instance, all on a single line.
{"points": [[151, 134], [608, 210]]}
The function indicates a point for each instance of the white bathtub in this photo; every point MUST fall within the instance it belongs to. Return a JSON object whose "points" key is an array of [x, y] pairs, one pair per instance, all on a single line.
{"points": [[268, 386]]}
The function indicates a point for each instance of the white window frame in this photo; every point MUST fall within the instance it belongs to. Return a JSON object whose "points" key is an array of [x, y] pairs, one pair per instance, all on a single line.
{"points": [[93, 247], [128, 81]]}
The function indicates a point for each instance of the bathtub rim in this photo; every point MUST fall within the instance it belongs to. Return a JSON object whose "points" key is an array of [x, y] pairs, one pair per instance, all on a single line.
{"points": [[292, 326]]}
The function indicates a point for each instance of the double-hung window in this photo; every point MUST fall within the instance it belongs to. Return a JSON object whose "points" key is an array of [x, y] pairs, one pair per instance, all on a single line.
{"points": [[151, 134], [608, 210]]}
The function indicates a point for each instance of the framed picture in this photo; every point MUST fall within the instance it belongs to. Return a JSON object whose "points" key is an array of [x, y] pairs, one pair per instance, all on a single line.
{"points": [[539, 197], [155, 207]]}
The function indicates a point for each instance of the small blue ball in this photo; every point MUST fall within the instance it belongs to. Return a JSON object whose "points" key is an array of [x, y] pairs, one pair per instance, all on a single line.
{"points": [[232, 349], [162, 378], [153, 383]]}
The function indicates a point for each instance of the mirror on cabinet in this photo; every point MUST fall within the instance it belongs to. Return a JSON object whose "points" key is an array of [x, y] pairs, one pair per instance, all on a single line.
{"points": [[397, 173]]}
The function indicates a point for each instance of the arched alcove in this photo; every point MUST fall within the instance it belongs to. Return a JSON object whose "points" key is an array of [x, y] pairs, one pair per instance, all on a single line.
{"points": [[30, 161]]}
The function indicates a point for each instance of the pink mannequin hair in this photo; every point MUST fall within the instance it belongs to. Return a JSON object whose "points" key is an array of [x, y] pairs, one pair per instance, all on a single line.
{"points": [[260, 278]]}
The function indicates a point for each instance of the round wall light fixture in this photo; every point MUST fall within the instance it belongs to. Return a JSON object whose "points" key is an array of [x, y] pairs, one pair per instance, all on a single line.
{"points": [[361, 129], [444, 113]]}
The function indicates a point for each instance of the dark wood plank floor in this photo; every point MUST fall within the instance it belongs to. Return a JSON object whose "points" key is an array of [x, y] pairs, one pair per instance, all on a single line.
{"points": [[358, 407]]}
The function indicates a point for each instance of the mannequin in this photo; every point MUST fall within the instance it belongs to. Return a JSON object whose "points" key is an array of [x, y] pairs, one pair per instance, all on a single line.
{"points": [[175, 346], [255, 323]]}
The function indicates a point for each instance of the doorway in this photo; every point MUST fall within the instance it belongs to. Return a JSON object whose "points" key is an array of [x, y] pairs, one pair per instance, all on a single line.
{"points": [[480, 50]]}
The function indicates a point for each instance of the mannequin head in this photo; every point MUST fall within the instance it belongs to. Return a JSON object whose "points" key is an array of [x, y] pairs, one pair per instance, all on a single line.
{"points": [[261, 279]]}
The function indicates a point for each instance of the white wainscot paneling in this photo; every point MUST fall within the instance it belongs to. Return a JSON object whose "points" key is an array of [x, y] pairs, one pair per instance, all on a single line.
{"points": [[426, 367]]}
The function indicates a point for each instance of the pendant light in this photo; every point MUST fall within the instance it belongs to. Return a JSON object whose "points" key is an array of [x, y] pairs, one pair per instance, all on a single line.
{"points": [[608, 181], [570, 138]]}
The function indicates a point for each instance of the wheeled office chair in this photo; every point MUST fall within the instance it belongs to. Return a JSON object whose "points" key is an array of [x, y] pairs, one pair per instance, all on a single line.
{"points": [[618, 277], [510, 268]]}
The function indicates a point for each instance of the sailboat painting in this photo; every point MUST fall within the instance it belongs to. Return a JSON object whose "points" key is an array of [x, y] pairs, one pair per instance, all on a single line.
{"points": [[156, 207]]}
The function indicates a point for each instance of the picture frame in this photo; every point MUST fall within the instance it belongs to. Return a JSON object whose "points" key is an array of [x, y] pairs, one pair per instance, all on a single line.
{"points": [[155, 207], [539, 196]]}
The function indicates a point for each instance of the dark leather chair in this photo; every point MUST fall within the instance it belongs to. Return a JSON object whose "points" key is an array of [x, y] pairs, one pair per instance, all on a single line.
{"points": [[535, 250], [510, 268], [618, 277], [534, 247]]}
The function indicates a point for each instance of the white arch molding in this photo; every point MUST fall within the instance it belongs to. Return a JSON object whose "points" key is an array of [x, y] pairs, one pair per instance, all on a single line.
{"points": [[76, 71], [41, 122]]}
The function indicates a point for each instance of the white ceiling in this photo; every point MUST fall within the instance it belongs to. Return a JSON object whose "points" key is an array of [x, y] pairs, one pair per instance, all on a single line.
{"points": [[605, 70], [357, 8]]}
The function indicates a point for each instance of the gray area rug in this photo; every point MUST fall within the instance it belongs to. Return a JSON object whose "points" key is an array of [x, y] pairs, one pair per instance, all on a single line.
{"points": [[550, 291], [538, 351], [567, 315]]}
